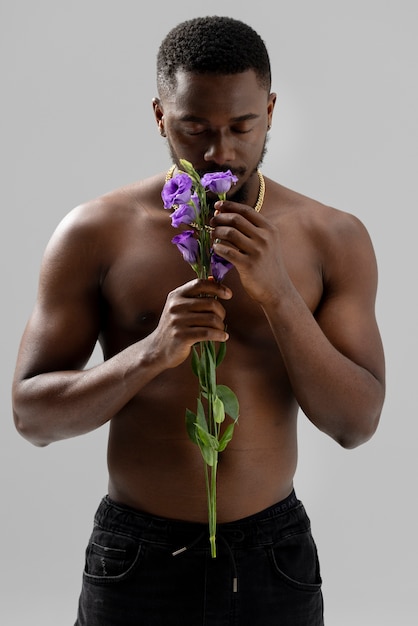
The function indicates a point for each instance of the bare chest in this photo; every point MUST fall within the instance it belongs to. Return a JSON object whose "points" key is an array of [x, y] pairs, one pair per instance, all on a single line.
{"points": [[146, 266]]}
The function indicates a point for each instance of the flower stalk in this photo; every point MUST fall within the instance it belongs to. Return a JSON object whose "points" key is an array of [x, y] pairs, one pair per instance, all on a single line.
{"points": [[186, 194]]}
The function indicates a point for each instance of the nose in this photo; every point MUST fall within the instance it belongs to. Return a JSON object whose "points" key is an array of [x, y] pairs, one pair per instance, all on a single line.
{"points": [[220, 149]]}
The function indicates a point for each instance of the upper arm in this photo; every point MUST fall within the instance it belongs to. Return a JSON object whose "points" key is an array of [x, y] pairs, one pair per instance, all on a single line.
{"points": [[347, 310], [64, 326]]}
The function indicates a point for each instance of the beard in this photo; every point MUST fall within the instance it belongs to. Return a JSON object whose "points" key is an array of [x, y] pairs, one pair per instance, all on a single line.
{"points": [[241, 195]]}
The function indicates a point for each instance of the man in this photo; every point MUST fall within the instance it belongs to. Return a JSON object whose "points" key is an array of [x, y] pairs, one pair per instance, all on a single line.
{"points": [[298, 307]]}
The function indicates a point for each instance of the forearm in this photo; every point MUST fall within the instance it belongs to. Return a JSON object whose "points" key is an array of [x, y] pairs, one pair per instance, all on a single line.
{"points": [[52, 405], [342, 398], [57, 405]]}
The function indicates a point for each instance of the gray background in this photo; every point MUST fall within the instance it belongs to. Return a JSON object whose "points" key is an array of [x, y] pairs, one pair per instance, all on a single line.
{"points": [[76, 121]]}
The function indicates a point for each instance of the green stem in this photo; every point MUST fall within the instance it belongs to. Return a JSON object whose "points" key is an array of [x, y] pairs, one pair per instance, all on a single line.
{"points": [[214, 430], [212, 507]]}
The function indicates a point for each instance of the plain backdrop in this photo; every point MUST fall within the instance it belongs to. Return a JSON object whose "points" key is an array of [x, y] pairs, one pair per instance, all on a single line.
{"points": [[77, 80]]}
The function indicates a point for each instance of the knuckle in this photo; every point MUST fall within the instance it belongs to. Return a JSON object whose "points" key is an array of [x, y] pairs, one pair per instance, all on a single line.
{"points": [[229, 232], [235, 220]]}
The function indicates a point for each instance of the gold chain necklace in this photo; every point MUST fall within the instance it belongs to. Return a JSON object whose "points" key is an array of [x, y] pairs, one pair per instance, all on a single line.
{"points": [[258, 204]]}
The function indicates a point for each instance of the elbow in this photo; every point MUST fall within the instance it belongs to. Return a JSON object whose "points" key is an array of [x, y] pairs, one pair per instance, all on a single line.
{"points": [[361, 422], [349, 442], [25, 417], [25, 422], [27, 431], [359, 433]]}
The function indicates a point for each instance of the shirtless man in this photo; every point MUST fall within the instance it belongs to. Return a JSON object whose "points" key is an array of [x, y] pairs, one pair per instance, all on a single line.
{"points": [[301, 333]]}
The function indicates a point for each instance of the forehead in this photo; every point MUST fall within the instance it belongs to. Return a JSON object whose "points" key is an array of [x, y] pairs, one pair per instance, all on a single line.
{"points": [[206, 94]]}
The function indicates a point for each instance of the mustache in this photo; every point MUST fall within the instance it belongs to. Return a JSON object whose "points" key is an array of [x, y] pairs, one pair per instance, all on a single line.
{"points": [[237, 171]]}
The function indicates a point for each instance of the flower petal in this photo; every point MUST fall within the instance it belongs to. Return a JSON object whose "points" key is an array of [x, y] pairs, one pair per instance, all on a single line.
{"points": [[187, 245], [185, 214], [219, 182], [219, 267], [177, 190]]}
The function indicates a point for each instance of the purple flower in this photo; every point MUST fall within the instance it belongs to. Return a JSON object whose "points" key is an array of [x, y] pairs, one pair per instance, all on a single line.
{"points": [[219, 182], [185, 214], [177, 190], [188, 246], [219, 267]]}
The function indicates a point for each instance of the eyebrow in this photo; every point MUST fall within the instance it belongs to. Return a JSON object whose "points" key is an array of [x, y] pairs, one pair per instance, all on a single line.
{"points": [[234, 120]]}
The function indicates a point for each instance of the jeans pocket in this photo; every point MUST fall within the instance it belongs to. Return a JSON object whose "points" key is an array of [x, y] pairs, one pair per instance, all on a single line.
{"points": [[295, 560], [110, 557]]}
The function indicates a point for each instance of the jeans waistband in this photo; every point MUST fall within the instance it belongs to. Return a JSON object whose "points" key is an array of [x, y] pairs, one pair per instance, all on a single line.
{"points": [[264, 527]]}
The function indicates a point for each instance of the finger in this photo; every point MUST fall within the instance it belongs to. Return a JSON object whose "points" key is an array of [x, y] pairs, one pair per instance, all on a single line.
{"points": [[199, 287], [206, 319], [231, 237], [228, 207], [227, 226], [208, 306], [204, 333]]}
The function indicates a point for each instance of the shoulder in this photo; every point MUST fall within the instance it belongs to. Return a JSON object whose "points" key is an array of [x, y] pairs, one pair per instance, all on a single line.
{"points": [[114, 207], [328, 226], [339, 240], [104, 217]]}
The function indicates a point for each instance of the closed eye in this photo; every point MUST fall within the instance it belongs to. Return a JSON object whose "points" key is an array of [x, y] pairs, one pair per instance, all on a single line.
{"points": [[192, 127], [195, 131], [241, 130], [199, 130]]}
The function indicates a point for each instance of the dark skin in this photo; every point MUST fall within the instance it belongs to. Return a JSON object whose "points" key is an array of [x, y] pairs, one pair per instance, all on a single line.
{"points": [[298, 305]]}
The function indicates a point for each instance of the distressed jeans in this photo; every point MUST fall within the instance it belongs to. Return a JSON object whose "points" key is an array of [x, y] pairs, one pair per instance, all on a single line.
{"points": [[143, 570]]}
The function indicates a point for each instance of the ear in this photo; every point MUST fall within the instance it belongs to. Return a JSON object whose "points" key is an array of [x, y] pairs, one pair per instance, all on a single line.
{"points": [[159, 115], [271, 103]]}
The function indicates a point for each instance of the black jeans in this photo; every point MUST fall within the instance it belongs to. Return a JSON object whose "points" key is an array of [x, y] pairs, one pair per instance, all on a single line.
{"points": [[143, 570]]}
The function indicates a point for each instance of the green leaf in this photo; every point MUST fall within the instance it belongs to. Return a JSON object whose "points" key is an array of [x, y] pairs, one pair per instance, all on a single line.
{"points": [[221, 353], [208, 445], [191, 425], [226, 437], [201, 417], [218, 410], [208, 454], [195, 362], [206, 438], [211, 349], [203, 436], [229, 400], [199, 367], [210, 364]]}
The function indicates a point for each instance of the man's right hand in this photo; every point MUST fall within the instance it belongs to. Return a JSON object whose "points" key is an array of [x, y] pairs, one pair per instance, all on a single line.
{"points": [[192, 313]]}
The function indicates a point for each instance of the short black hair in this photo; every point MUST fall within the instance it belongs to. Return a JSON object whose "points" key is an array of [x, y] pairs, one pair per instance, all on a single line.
{"points": [[212, 45]]}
